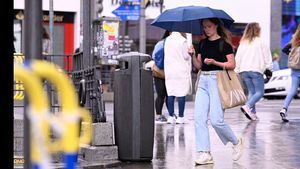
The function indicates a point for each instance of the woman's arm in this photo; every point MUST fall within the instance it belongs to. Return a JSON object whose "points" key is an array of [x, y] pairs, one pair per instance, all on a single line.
{"points": [[230, 64], [197, 61]]}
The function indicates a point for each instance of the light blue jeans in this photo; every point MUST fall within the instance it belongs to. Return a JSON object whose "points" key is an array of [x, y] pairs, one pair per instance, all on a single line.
{"points": [[208, 105], [294, 88], [256, 88]]}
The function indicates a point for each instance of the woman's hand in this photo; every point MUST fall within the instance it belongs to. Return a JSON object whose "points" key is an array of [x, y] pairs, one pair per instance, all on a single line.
{"points": [[191, 50], [209, 61]]}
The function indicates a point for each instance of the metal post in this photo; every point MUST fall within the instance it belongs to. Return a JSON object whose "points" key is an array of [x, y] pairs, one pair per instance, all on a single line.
{"points": [[51, 25], [33, 50], [161, 5], [142, 27], [86, 33]]}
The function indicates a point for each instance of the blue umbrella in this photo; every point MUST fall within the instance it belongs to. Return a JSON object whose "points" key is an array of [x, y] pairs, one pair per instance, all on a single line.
{"points": [[187, 18]]}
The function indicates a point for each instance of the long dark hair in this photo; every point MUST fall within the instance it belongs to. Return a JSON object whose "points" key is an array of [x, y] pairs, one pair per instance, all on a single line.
{"points": [[166, 34], [221, 30]]}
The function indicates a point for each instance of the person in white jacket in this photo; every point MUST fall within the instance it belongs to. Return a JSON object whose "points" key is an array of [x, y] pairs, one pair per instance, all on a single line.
{"points": [[177, 67], [253, 57]]}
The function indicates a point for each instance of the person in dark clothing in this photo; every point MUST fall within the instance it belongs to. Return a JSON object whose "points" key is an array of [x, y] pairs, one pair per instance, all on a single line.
{"points": [[208, 107], [159, 84]]}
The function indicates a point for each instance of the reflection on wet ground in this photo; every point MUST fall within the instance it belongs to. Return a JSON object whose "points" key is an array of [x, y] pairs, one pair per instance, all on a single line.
{"points": [[269, 143]]}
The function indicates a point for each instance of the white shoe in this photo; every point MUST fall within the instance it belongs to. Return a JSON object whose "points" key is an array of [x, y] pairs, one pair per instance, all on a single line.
{"points": [[238, 149], [171, 120], [204, 158], [247, 111], [180, 120], [283, 114]]}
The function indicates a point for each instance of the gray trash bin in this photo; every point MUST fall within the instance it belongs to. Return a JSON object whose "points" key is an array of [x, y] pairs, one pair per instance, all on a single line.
{"points": [[134, 108]]}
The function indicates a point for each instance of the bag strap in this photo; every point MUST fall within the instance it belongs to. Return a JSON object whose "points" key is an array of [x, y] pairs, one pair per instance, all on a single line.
{"points": [[221, 45]]}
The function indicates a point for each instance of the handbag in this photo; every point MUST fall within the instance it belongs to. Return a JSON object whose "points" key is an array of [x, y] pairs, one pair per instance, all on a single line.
{"points": [[294, 58], [156, 72], [230, 89]]}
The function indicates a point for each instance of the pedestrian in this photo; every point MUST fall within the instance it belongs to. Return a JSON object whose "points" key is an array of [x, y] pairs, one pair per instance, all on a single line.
{"points": [[215, 54], [46, 41], [253, 58], [295, 73], [177, 67], [275, 58], [159, 82]]}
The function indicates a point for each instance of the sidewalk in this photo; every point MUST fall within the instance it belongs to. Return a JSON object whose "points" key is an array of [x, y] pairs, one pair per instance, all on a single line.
{"points": [[269, 143]]}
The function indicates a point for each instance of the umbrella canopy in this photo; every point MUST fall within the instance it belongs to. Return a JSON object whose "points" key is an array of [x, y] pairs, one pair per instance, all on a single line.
{"points": [[186, 18]]}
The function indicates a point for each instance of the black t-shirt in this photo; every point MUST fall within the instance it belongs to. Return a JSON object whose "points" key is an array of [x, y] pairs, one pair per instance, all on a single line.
{"points": [[211, 49]]}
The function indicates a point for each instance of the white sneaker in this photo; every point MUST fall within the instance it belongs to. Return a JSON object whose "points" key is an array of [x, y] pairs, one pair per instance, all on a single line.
{"points": [[171, 120], [204, 158], [180, 120], [238, 149], [247, 111], [254, 117], [283, 114]]}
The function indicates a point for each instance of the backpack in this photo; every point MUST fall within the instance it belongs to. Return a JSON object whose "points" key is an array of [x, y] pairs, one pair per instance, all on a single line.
{"points": [[159, 57], [294, 58]]}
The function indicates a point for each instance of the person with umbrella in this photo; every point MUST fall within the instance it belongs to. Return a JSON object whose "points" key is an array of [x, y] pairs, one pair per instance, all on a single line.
{"points": [[215, 54]]}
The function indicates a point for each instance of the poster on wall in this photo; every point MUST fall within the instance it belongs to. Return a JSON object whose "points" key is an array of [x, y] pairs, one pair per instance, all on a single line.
{"points": [[110, 38]]}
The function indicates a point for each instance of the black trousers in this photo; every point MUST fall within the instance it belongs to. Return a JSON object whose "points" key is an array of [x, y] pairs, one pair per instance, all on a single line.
{"points": [[161, 91]]}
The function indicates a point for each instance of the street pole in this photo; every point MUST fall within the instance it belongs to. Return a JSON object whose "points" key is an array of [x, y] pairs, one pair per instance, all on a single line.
{"points": [[142, 27], [161, 3], [86, 7], [51, 25], [33, 50]]}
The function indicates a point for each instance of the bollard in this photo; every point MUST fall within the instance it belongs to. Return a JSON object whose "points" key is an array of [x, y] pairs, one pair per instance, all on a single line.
{"points": [[38, 107], [41, 119], [71, 112]]}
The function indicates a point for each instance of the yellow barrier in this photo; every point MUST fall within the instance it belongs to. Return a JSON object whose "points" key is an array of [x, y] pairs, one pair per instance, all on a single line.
{"points": [[38, 107], [68, 119], [19, 88], [71, 111]]}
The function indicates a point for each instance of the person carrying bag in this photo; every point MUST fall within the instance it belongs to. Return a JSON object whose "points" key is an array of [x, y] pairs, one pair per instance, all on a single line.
{"points": [[215, 54], [157, 67]]}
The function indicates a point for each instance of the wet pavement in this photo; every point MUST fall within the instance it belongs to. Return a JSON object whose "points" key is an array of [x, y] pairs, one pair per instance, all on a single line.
{"points": [[268, 143]]}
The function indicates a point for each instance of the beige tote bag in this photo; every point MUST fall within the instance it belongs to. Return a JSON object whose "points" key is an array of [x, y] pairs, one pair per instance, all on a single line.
{"points": [[230, 89]]}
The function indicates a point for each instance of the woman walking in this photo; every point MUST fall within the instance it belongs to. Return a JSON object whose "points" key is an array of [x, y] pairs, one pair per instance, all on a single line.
{"points": [[177, 66], [295, 43], [253, 58], [215, 54]]}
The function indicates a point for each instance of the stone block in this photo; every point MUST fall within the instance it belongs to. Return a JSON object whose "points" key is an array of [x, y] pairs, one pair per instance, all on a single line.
{"points": [[103, 134], [93, 153]]}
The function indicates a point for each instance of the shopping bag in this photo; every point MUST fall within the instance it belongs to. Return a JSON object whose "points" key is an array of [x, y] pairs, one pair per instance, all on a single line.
{"points": [[230, 89], [294, 58], [156, 72]]}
